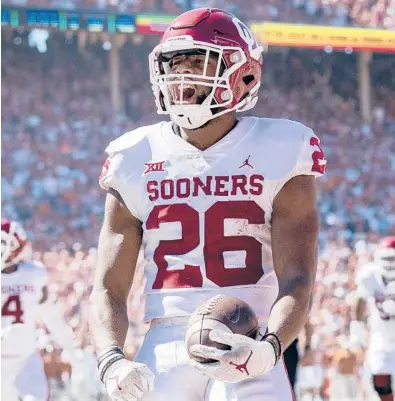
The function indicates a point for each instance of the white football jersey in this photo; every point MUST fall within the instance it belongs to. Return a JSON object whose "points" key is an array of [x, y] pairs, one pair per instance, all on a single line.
{"points": [[21, 292], [206, 215], [376, 292]]}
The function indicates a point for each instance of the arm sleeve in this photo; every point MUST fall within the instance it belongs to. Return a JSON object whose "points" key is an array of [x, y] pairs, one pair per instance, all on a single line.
{"points": [[109, 177], [310, 159], [114, 176]]}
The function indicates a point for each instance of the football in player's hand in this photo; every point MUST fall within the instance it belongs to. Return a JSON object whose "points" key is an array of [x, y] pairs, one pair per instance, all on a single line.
{"points": [[224, 313]]}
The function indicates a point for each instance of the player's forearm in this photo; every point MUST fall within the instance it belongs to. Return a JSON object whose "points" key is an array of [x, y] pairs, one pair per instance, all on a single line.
{"points": [[291, 309], [108, 320]]}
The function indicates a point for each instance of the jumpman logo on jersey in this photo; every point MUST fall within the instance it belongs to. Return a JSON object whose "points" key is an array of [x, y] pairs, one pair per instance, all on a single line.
{"points": [[243, 365], [247, 163]]}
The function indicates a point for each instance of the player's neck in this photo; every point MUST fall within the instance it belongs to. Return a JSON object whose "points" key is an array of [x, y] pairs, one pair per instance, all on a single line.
{"points": [[10, 269], [203, 138]]}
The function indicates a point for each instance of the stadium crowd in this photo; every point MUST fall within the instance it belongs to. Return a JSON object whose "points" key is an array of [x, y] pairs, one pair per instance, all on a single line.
{"points": [[57, 121], [366, 13]]}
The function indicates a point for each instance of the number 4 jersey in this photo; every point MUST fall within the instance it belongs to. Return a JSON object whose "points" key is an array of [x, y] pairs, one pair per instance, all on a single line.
{"points": [[21, 292], [206, 215]]}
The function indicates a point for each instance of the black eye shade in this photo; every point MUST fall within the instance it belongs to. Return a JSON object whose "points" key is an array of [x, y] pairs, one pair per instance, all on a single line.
{"points": [[166, 57]]}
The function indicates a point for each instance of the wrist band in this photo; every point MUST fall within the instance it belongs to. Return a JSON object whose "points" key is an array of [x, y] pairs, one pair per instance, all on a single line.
{"points": [[108, 357], [108, 351], [105, 366], [275, 342]]}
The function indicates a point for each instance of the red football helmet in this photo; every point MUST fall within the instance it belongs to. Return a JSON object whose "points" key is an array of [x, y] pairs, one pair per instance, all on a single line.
{"points": [[237, 79], [384, 257], [13, 242]]}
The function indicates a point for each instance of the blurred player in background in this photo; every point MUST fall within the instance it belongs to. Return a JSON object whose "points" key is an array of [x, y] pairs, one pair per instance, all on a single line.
{"points": [[213, 200], [24, 300], [376, 299]]}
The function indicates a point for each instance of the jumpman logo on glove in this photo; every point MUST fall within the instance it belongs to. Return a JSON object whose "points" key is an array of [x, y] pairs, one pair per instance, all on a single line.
{"points": [[247, 358], [242, 366]]}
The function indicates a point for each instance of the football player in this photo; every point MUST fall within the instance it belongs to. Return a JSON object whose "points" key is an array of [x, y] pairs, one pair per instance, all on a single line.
{"points": [[220, 204], [23, 301], [376, 299]]}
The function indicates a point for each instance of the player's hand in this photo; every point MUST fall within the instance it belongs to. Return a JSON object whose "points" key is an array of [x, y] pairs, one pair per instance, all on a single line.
{"points": [[246, 359], [128, 381]]}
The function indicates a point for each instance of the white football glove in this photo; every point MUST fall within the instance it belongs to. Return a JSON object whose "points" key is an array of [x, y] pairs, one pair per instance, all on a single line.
{"points": [[246, 359], [128, 381]]}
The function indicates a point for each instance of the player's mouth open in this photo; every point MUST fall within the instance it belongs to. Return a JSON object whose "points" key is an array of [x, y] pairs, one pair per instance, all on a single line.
{"points": [[188, 95]]}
